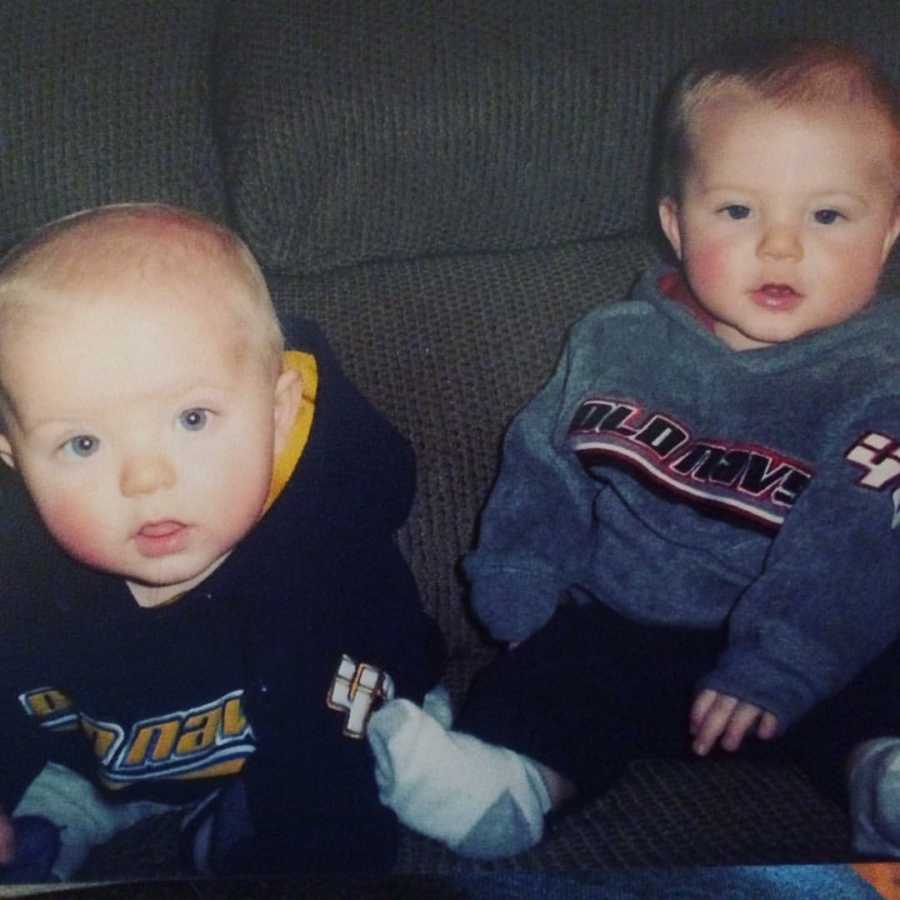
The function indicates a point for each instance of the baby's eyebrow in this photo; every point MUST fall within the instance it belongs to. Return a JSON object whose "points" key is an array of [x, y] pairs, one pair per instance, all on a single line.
{"points": [[739, 191], [839, 195], [54, 424], [725, 189]]}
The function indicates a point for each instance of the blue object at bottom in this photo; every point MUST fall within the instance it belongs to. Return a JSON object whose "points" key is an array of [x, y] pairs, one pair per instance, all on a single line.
{"points": [[823, 882]]}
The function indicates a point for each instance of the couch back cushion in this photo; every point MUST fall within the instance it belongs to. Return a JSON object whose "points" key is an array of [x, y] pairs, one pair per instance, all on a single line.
{"points": [[389, 129], [104, 101]]}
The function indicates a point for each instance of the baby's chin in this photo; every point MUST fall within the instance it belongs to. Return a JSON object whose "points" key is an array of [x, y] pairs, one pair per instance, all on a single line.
{"points": [[159, 592], [742, 338], [166, 582]]}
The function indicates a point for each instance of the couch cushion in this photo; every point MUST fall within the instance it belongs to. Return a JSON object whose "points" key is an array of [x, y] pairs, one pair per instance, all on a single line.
{"points": [[388, 129], [449, 349], [104, 101]]}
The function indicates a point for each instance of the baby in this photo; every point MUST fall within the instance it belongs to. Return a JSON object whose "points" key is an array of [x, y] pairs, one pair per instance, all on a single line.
{"points": [[202, 584], [691, 542]]}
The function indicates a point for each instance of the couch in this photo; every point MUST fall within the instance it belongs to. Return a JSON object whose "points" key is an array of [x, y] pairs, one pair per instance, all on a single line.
{"points": [[445, 187]]}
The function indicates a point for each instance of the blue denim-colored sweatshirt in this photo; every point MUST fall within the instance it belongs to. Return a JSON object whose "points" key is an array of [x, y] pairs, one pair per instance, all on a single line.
{"points": [[683, 483]]}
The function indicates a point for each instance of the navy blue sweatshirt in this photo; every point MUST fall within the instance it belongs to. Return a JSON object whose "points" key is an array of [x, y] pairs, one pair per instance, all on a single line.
{"points": [[233, 678]]}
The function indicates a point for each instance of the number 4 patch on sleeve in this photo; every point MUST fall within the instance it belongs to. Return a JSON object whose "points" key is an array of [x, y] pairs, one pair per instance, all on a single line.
{"points": [[878, 455], [358, 689]]}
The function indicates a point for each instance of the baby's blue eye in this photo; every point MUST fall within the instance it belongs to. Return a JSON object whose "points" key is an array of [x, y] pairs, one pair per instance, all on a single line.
{"points": [[194, 419], [83, 445], [736, 211], [827, 216]]}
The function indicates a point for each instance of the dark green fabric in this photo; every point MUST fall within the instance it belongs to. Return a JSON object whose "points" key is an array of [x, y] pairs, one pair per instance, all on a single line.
{"points": [[104, 101], [390, 129]]}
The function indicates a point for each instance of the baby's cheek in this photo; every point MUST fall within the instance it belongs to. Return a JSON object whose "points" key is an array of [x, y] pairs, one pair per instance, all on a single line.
{"points": [[77, 529], [236, 511], [229, 491], [707, 265]]}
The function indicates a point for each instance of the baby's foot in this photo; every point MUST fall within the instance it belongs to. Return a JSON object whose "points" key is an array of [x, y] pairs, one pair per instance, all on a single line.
{"points": [[479, 799], [874, 784]]}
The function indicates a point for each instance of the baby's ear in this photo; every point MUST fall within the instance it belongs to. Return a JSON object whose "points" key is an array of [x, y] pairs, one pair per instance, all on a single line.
{"points": [[668, 219], [288, 397], [893, 232], [6, 453]]}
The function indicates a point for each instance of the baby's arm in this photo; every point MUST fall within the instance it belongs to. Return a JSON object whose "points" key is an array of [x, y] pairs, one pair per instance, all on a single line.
{"points": [[825, 605], [535, 533], [717, 717]]}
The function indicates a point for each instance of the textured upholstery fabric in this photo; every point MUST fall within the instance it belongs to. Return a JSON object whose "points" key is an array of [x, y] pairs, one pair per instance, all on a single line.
{"points": [[674, 813], [104, 101], [389, 129], [394, 131]]}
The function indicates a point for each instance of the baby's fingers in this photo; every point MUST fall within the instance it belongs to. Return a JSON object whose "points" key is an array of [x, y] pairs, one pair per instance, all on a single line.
{"points": [[768, 727], [715, 718], [742, 720], [702, 703]]}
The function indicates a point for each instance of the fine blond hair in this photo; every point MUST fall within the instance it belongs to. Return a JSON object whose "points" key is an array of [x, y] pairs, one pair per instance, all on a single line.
{"points": [[103, 242], [785, 71]]}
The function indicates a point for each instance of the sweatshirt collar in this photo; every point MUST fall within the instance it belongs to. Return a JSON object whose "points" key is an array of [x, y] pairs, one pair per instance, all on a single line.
{"points": [[666, 289]]}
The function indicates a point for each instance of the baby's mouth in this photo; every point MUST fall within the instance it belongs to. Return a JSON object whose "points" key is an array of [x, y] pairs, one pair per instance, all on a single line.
{"points": [[777, 290], [160, 529], [161, 538], [774, 295]]}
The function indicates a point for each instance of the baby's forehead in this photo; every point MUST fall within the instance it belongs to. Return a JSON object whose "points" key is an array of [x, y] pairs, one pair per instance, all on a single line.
{"points": [[705, 117], [76, 344], [730, 94], [102, 311]]}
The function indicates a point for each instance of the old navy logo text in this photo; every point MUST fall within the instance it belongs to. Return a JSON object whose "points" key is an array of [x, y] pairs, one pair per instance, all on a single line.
{"points": [[750, 480]]}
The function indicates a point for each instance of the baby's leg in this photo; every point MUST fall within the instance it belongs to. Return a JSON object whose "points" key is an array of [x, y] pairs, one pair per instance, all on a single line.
{"points": [[479, 799], [567, 710], [84, 819], [850, 741]]}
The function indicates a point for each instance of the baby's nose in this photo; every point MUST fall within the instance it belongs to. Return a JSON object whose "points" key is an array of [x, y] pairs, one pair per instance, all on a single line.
{"points": [[146, 474], [781, 242]]}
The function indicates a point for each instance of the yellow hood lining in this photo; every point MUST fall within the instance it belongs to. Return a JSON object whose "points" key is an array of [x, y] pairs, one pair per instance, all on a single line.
{"points": [[286, 461]]}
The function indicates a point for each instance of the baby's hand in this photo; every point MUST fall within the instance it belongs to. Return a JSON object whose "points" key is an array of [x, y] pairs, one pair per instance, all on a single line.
{"points": [[716, 716], [7, 840]]}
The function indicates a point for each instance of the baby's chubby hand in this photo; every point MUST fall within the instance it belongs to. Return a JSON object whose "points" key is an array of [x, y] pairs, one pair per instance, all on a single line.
{"points": [[717, 717]]}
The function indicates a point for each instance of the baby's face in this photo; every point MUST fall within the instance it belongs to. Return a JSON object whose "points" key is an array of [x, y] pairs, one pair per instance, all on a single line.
{"points": [[786, 216], [144, 428]]}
